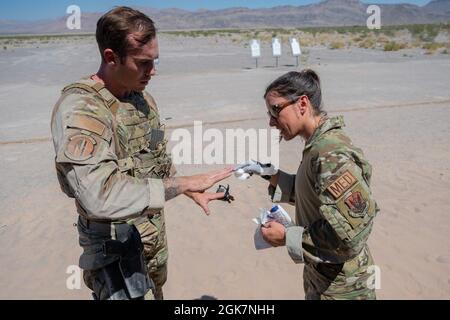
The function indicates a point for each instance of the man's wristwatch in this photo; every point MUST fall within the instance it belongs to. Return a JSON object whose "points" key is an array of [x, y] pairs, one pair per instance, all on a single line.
{"points": [[266, 177]]}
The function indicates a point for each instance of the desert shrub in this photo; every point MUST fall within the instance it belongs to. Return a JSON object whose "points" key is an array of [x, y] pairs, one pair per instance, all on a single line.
{"points": [[383, 39], [304, 42], [284, 39], [425, 32], [337, 45], [431, 32], [367, 44], [416, 29], [358, 38], [388, 32], [433, 46], [266, 38], [394, 46]]}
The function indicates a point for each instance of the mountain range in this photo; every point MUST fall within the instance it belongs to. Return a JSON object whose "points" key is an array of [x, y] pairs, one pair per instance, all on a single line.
{"points": [[325, 13]]}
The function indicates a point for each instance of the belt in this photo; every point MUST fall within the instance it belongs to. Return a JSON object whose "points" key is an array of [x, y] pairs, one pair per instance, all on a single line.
{"points": [[105, 226], [101, 226]]}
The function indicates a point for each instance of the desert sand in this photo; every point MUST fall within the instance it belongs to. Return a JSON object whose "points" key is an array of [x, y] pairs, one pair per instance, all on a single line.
{"points": [[397, 109]]}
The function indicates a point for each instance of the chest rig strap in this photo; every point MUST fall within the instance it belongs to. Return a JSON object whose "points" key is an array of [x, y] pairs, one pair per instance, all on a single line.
{"points": [[98, 88], [113, 105]]}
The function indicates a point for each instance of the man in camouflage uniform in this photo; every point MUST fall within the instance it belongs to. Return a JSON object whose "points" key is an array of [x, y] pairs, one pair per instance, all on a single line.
{"points": [[111, 157], [331, 193]]}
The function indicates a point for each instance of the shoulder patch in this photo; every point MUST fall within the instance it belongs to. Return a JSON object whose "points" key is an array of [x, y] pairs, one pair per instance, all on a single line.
{"points": [[356, 203], [80, 147], [342, 184]]}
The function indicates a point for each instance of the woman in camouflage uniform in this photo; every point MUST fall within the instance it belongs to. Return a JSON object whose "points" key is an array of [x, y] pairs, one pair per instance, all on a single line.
{"points": [[331, 193]]}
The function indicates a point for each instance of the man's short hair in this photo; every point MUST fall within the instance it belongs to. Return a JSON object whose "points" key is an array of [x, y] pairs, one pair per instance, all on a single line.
{"points": [[114, 27]]}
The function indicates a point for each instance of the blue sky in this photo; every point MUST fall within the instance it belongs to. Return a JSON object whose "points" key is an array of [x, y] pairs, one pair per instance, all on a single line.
{"points": [[47, 9]]}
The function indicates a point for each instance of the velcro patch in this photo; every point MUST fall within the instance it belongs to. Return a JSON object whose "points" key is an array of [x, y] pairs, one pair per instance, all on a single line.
{"points": [[87, 123], [342, 184], [356, 203], [80, 148]]}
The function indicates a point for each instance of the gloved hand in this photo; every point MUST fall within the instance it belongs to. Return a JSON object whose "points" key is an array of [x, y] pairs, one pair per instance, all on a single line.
{"points": [[244, 171]]}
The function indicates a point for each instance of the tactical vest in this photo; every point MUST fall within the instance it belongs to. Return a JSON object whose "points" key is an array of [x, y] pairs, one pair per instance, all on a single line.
{"points": [[138, 136]]}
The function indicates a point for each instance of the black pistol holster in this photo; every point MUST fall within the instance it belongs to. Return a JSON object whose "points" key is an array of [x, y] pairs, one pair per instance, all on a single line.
{"points": [[128, 246]]}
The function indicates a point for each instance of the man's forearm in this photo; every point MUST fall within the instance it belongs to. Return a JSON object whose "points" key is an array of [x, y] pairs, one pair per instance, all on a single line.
{"points": [[197, 183], [174, 187]]}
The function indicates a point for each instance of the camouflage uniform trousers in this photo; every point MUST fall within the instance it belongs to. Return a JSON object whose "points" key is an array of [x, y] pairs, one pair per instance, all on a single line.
{"points": [[348, 281], [154, 239]]}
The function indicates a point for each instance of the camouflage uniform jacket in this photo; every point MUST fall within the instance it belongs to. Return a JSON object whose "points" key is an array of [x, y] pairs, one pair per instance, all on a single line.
{"points": [[103, 155], [332, 196]]}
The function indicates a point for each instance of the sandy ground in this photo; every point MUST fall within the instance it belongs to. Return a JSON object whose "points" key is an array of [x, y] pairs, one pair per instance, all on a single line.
{"points": [[397, 109]]}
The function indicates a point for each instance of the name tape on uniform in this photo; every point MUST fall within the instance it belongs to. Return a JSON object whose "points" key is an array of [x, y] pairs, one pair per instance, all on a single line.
{"points": [[342, 184]]}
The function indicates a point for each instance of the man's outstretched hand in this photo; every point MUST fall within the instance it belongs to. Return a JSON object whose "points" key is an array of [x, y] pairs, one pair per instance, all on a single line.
{"points": [[202, 182], [203, 199], [173, 186]]}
